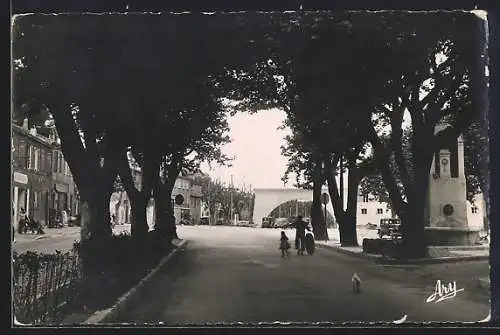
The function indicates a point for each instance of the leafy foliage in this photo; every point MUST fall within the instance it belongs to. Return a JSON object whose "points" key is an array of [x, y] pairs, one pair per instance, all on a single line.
{"points": [[217, 198]]}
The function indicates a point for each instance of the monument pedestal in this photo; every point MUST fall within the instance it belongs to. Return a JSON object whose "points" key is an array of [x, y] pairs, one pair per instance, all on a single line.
{"points": [[449, 236], [447, 201]]}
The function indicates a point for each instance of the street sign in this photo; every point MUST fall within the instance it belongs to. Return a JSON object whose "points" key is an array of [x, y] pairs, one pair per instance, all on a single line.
{"points": [[325, 199], [179, 199]]}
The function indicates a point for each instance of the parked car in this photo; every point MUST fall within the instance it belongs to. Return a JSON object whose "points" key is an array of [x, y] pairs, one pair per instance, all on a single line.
{"points": [[74, 221], [281, 223], [390, 228], [268, 222], [204, 220]]}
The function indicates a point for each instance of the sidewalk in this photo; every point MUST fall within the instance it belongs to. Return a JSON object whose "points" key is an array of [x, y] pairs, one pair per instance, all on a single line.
{"points": [[49, 233], [437, 254], [65, 231]]}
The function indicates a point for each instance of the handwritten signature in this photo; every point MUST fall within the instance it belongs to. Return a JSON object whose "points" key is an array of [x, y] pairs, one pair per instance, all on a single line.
{"points": [[444, 291]]}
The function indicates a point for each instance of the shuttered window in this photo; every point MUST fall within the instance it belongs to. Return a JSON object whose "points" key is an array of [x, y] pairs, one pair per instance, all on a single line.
{"points": [[36, 159], [29, 155], [42, 160]]}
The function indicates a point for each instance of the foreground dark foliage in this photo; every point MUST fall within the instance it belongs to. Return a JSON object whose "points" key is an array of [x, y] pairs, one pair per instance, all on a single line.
{"points": [[49, 287], [113, 265]]}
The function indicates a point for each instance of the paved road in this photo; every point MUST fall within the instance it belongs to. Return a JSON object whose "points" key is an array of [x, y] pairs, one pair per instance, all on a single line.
{"points": [[229, 274]]}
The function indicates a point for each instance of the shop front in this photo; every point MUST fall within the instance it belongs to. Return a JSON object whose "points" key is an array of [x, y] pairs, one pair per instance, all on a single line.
{"points": [[20, 196], [39, 186], [61, 196]]}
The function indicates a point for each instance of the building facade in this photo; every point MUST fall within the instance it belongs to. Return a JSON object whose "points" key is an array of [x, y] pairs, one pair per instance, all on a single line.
{"points": [[370, 211], [41, 180], [64, 192], [192, 205]]}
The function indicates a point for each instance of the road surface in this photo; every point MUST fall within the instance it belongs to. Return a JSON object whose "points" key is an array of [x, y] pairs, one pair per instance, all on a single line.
{"points": [[230, 274]]}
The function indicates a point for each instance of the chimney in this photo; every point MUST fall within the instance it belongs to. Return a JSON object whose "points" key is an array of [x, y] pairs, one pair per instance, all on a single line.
{"points": [[25, 123]]}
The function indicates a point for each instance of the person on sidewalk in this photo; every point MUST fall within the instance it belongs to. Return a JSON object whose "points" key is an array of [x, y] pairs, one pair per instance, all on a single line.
{"points": [[22, 221], [64, 218], [284, 245], [174, 228], [300, 235]]}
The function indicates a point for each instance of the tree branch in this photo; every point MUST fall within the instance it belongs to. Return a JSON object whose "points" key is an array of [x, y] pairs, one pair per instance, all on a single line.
{"points": [[381, 155]]}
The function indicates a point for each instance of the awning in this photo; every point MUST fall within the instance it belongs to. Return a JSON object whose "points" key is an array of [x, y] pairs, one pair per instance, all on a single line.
{"points": [[62, 188], [20, 178]]}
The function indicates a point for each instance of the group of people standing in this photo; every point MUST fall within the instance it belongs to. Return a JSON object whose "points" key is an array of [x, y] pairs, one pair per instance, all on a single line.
{"points": [[300, 238], [27, 223]]}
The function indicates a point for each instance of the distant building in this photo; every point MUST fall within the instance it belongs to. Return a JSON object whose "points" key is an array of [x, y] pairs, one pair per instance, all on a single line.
{"points": [[192, 205], [370, 210], [42, 183], [119, 204]]}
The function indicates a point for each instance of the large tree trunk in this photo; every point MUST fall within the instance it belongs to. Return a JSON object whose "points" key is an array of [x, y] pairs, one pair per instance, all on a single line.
{"points": [[165, 223], [100, 225], [161, 224], [317, 219], [413, 218], [92, 180], [348, 234], [138, 205], [97, 222], [346, 219], [335, 195]]}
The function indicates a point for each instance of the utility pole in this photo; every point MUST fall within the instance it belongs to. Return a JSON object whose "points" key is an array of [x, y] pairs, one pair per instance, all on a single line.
{"points": [[231, 208], [341, 181]]}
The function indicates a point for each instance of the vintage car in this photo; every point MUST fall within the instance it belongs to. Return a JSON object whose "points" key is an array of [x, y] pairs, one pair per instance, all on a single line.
{"points": [[281, 223], [390, 228], [268, 222]]}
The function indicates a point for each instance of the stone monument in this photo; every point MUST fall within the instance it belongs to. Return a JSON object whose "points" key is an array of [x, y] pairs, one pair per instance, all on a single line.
{"points": [[447, 200]]}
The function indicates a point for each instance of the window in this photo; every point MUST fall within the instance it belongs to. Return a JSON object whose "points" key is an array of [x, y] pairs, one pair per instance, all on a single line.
{"points": [[36, 159], [61, 162], [364, 211], [49, 162], [380, 211], [474, 210], [35, 199], [55, 159], [365, 198], [30, 156], [43, 160]]}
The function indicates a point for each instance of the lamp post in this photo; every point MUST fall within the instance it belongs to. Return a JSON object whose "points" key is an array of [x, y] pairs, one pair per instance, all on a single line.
{"points": [[231, 206]]}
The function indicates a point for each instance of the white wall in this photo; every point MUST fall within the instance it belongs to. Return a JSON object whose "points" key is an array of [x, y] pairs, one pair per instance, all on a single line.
{"points": [[476, 220], [372, 215]]}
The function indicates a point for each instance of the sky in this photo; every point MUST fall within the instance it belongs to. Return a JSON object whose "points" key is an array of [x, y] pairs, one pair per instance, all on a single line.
{"points": [[255, 145], [256, 148]]}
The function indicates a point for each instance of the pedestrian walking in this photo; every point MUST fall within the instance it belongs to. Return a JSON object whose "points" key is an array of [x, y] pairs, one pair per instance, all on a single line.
{"points": [[22, 221], [174, 228], [300, 235], [64, 217], [284, 245]]}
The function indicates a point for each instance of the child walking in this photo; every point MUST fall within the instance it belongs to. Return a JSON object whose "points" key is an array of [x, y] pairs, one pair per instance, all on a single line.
{"points": [[284, 245]]}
